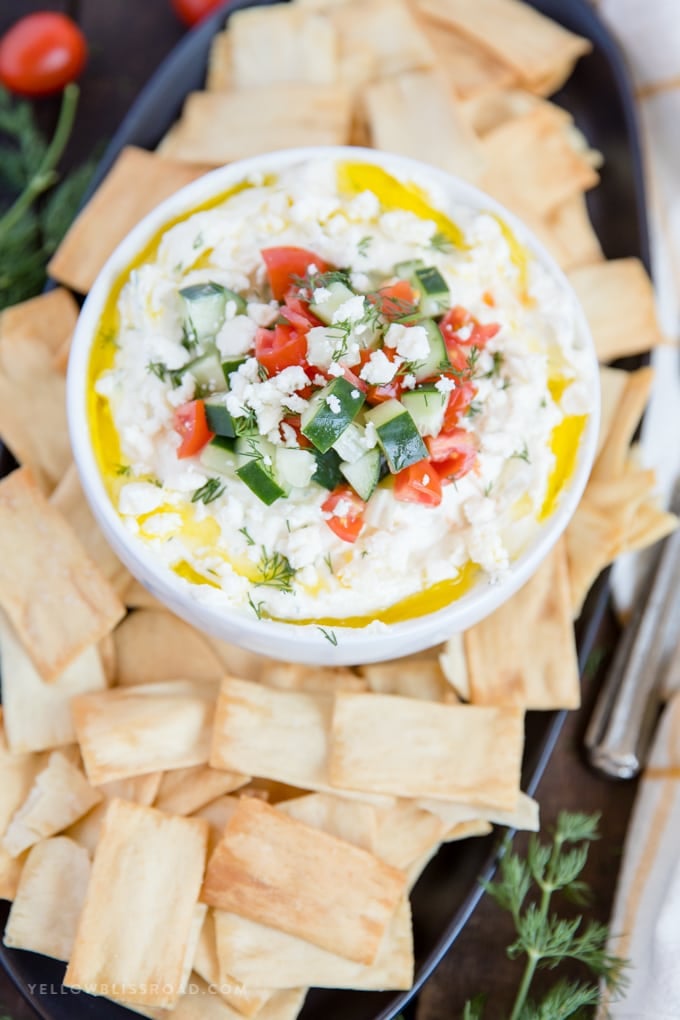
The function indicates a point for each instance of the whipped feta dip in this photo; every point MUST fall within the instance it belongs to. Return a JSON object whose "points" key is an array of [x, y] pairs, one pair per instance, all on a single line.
{"points": [[490, 415]]}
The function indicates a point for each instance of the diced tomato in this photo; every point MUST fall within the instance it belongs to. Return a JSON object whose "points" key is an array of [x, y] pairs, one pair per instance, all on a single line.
{"points": [[280, 347], [419, 483], [453, 453], [284, 263], [354, 379], [450, 442], [293, 420], [378, 393], [348, 524], [297, 313], [459, 399], [397, 299], [455, 319], [192, 425]]}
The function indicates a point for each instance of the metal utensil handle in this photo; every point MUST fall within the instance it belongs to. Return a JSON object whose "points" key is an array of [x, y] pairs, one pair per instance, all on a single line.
{"points": [[620, 729]]}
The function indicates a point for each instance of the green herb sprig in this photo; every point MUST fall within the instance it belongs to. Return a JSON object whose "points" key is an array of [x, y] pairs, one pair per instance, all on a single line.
{"points": [[40, 209], [275, 571], [209, 491], [525, 888]]}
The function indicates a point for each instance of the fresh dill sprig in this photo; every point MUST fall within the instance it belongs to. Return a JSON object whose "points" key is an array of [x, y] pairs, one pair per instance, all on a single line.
{"points": [[210, 491], [246, 534], [246, 424], [123, 470], [522, 454], [364, 244], [495, 370], [440, 242], [329, 563], [275, 571], [330, 636], [525, 889], [473, 409], [165, 374], [315, 281], [41, 208], [256, 607]]}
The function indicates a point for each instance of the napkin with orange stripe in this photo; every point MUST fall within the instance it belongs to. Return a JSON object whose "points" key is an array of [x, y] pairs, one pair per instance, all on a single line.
{"points": [[646, 919]]}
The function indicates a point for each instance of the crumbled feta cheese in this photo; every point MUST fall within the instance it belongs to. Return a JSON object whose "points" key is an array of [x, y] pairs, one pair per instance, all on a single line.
{"points": [[262, 314], [379, 369], [334, 403], [336, 369], [444, 384], [236, 336], [464, 333], [409, 381], [411, 342], [350, 310], [138, 498]]}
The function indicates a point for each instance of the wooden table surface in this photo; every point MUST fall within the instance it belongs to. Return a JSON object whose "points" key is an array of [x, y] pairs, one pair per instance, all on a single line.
{"points": [[128, 39]]}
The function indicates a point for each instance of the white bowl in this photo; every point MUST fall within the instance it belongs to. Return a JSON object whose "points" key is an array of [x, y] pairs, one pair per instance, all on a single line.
{"points": [[288, 641]]}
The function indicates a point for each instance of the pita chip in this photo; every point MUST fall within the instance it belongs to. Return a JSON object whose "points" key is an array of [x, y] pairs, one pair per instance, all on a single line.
{"points": [[301, 46], [524, 653], [454, 752], [56, 598], [420, 678], [184, 791], [413, 113], [218, 127], [69, 499], [139, 913], [154, 646], [38, 715], [257, 953], [279, 872], [49, 898], [59, 796], [536, 48], [129, 731], [136, 183], [618, 300]]}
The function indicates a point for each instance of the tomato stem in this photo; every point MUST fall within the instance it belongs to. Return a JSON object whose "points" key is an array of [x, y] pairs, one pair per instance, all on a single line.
{"points": [[45, 176]]}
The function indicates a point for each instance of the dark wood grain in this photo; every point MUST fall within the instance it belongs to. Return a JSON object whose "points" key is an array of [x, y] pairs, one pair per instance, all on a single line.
{"points": [[127, 40]]}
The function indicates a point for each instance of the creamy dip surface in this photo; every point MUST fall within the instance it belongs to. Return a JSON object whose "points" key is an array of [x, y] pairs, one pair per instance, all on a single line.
{"points": [[518, 365]]}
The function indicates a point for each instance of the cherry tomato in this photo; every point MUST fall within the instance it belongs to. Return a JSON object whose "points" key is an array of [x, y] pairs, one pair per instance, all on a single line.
{"points": [[192, 425], [41, 53], [453, 441], [460, 398], [348, 524], [397, 299], [453, 453], [418, 483], [286, 262], [193, 11], [280, 348], [297, 313], [457, 319]]}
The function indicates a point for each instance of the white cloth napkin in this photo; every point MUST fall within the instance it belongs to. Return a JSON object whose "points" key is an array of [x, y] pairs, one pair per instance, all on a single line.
{"points": [[646, 917], [649, 34]]}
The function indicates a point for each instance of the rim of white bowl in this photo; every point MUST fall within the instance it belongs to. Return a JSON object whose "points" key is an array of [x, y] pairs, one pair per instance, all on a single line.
{"points": [[311, 643]]}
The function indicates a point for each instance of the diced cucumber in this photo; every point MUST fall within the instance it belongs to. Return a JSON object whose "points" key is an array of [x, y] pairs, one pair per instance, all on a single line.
{"points": [[351, 445], [437, 359], [207, 371], [327, 473], [294, 468], [398, 435], [405, 270], [219, 420], [435, 296], [204, 306], [427, 407], [330, 411], [219, 456], [363, 474], [338, 293], [255, 460]]}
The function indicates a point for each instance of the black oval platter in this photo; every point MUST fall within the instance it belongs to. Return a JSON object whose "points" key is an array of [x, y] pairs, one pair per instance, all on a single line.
{"points": [[599, 97]]}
